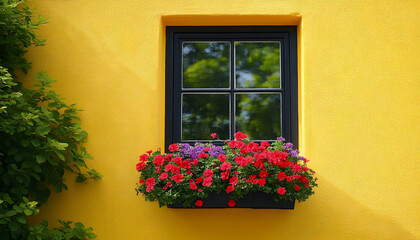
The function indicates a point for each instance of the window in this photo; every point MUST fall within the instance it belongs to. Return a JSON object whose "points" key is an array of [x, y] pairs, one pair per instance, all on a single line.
{"points": [[229, 79]]}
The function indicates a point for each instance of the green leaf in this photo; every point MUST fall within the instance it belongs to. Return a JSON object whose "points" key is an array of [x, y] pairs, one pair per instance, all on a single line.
{"points": [[40, 158], [21, 219]]}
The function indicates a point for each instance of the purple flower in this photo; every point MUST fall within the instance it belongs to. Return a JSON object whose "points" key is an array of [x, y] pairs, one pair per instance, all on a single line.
{"points": [[295, 153], [187, 151], [288, 145], [281, 139]]}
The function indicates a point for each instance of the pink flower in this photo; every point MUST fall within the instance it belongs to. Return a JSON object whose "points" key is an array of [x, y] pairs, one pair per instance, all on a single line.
{"points": [[213, 135]]}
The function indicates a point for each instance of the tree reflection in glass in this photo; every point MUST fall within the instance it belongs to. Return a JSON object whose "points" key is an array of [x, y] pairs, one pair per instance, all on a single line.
{"points": [[259, 115], [257, 64], [205, 64], [203, 114]]}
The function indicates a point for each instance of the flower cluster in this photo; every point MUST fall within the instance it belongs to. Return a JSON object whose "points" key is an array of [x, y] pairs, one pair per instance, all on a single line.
{"points": [[187, 174]]}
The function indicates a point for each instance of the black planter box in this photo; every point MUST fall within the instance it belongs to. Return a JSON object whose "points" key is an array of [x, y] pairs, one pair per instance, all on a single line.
{"points": [[256, 200]]}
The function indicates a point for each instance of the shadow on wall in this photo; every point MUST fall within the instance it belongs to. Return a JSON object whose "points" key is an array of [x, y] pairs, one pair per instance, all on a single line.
{"points": [[330, 214]]}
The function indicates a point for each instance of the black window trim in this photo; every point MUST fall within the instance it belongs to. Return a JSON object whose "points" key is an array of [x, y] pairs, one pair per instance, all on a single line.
{"points": [[289, 82]]}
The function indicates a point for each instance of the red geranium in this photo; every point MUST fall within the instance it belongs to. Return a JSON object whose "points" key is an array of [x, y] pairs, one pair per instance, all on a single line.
{"points": [[199, 203], [203, 155], [140, 166], [213, 135], [229, 189], [231, 203], [281, 190], [296, 187], [178, 178], [173, 147], [159, 160], [239, 136], [208, 173], [207, 181]]}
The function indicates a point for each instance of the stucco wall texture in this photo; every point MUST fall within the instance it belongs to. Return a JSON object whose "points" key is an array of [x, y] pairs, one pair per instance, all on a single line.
{"points": [[359, 114]]}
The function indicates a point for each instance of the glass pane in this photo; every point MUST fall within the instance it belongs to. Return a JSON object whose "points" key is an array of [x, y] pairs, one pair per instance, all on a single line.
{"points": [[205, 64], [259, 115], [257, 64], [203, 114]]}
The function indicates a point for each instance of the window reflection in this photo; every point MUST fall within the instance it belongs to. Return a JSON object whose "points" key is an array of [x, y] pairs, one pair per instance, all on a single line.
{"points": [[258, 115], [257, 64], [205, 64], [203, 114]]}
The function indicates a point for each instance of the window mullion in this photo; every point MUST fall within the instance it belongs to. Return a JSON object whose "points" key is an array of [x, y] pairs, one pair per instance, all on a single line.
{"points": [[232, 88]]}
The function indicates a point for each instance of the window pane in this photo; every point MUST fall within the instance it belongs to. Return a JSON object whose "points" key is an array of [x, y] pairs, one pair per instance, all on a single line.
{"points": [[257, 64], [205, 64], [259, 115], [203, 114]]}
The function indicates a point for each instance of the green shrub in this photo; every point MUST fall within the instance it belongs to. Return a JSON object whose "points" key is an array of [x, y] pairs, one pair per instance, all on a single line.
{"points": [[40, 136]]}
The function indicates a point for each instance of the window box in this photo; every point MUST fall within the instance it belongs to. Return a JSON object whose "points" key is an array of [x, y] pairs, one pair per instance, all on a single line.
{"points": [[256, 200]]}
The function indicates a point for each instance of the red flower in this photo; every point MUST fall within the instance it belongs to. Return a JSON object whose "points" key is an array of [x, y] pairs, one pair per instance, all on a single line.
{"points": [[199, 179], [221, 157], [173, 147], [195, 162], [157, 168], [239, 136], [265, 144], [207, 181], [193, 186], [206, 149], [281, 190], [178, 178], [232, 144], [141, 181], [281, 176], [230, 189], [225, 175], [140, 166], [231, 203], [297, 176], [304, 180], [233, 180], [177, 160], [252, 177], [225, 166], [213, 135], [199, 203], [163, 176], [296, 187], [261, 182], [159, 160], [149, 152], [208, 173], [263, 173], [150, 182], [144, 157], [169, 184], [203, 155], [289, 178]]}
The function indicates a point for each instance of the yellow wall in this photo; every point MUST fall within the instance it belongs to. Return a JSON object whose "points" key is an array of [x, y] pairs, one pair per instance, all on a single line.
{"points": [[359, 114]]}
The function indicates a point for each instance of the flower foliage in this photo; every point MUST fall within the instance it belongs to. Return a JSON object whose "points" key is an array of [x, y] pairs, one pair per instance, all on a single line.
{"points": [[189, 173]]}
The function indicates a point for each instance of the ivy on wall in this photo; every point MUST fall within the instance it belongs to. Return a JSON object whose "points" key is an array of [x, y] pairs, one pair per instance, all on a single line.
{"points": [[40, 135]]}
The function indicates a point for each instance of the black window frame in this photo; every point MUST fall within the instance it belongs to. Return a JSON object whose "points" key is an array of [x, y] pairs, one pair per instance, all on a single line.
{"points": [[289, 72]]}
